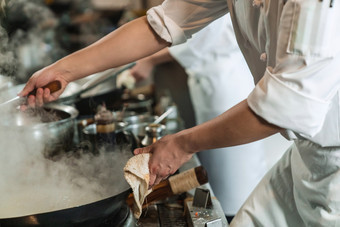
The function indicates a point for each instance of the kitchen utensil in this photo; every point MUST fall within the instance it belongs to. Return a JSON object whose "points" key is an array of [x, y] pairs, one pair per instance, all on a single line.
{"points": [[136, 125], [100, 140], [53, 125], [53, 86], [139, 103], [164, 115], [153, 132]]}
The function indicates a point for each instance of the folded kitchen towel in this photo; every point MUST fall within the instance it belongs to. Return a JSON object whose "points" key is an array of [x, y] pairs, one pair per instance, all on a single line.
{"points": [[136, 173]]}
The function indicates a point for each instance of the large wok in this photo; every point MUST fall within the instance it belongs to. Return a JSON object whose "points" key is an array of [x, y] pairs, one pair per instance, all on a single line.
{"points": [[91, 214]]}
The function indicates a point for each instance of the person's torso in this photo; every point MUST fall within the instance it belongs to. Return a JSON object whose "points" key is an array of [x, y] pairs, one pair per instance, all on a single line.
{"points": [[255, 24]]}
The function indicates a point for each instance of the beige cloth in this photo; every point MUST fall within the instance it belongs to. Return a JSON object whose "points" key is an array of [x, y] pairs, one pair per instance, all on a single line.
{"points": [[136, 173]]}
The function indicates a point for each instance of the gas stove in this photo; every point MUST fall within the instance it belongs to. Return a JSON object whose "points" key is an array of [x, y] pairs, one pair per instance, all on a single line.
{"points": [[182, 210]]}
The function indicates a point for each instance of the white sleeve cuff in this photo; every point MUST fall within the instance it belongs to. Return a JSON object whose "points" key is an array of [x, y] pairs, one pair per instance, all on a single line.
{"points": [[166, 28], [287, 108]]}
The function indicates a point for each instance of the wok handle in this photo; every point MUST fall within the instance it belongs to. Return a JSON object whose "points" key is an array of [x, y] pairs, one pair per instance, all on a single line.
{"points": [[53, 86], [174, 185]]}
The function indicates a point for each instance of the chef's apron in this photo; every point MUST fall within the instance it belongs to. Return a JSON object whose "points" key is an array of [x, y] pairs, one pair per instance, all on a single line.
{"points": [[303, 189], [234, 171]]}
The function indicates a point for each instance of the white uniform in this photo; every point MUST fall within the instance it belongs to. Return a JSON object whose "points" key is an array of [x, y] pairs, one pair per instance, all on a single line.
{"points": [[219, 79], [292, 50]]}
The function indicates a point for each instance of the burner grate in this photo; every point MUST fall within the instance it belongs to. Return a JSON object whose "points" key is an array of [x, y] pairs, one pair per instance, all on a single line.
{"points": [[171, 215]]}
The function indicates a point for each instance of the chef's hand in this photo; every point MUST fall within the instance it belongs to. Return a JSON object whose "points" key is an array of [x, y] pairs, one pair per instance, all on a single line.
{"points": [[142, 70], [40, 79], [167, 156]]}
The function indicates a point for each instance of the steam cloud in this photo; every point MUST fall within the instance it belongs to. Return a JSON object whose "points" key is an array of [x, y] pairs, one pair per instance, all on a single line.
{"points": [[27, 38], [30, 183]]}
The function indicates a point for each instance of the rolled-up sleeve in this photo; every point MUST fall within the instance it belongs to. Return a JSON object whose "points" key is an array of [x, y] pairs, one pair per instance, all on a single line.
{"points": [[298, 92], [280, 102], [177, 20]]}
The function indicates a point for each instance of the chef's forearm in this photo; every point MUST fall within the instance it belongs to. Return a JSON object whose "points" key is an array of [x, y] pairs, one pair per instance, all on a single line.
{"points": [[129, 43], [160, 57], [239, 125]]}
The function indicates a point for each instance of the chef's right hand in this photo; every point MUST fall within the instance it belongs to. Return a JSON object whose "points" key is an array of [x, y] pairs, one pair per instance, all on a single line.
{"points": [[168, 154], [40, 79]]}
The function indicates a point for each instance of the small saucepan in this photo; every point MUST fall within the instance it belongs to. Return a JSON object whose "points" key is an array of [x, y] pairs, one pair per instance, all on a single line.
{"points": [[104, 140]]}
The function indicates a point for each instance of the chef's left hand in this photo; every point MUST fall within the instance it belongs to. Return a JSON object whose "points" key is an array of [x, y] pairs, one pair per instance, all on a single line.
{"points": [[142, 70], [168, 154]]}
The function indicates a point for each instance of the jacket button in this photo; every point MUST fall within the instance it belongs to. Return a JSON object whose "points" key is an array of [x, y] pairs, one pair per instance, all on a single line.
{"points": [[263, 57]]}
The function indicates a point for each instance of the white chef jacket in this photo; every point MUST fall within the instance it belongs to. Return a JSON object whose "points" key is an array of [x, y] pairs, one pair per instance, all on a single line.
{"points": [[218, 79], [278, 34], [292, 51]]}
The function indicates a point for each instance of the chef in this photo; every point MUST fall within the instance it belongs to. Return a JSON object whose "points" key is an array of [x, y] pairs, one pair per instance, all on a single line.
{"points": [[290, 47], [218, 78]]}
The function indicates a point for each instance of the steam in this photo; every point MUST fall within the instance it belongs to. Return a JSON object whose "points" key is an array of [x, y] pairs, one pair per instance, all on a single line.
{"points": [[8, 62], [27, 38], [31, 183]]}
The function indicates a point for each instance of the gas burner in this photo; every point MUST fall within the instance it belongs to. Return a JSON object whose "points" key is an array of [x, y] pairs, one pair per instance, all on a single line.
{"points": [[118, 219]]}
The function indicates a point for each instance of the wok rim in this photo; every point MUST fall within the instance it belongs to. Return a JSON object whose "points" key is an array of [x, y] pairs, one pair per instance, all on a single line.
{"points": [[72, 210], [70, 110]]}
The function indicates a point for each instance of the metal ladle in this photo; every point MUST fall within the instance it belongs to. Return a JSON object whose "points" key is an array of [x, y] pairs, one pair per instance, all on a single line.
{"points": [[155, 130], [164, 115]]}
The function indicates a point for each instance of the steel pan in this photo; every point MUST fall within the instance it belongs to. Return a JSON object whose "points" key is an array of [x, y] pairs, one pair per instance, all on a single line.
{"points": [[87, 215], [54, 126]]}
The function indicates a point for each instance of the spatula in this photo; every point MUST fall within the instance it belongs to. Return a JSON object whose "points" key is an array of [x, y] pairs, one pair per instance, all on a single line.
{"points": [[53, 86]]}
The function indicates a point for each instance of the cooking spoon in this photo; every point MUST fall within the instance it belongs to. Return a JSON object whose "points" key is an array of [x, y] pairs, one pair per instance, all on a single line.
{"points": [[164, 115], [53, 86]]}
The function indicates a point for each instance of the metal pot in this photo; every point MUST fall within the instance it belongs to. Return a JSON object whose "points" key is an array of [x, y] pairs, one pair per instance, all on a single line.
{"points": [[153, 132], [136, 126], [140, 118], [138, 103], [54, 125], [98, 141]]}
